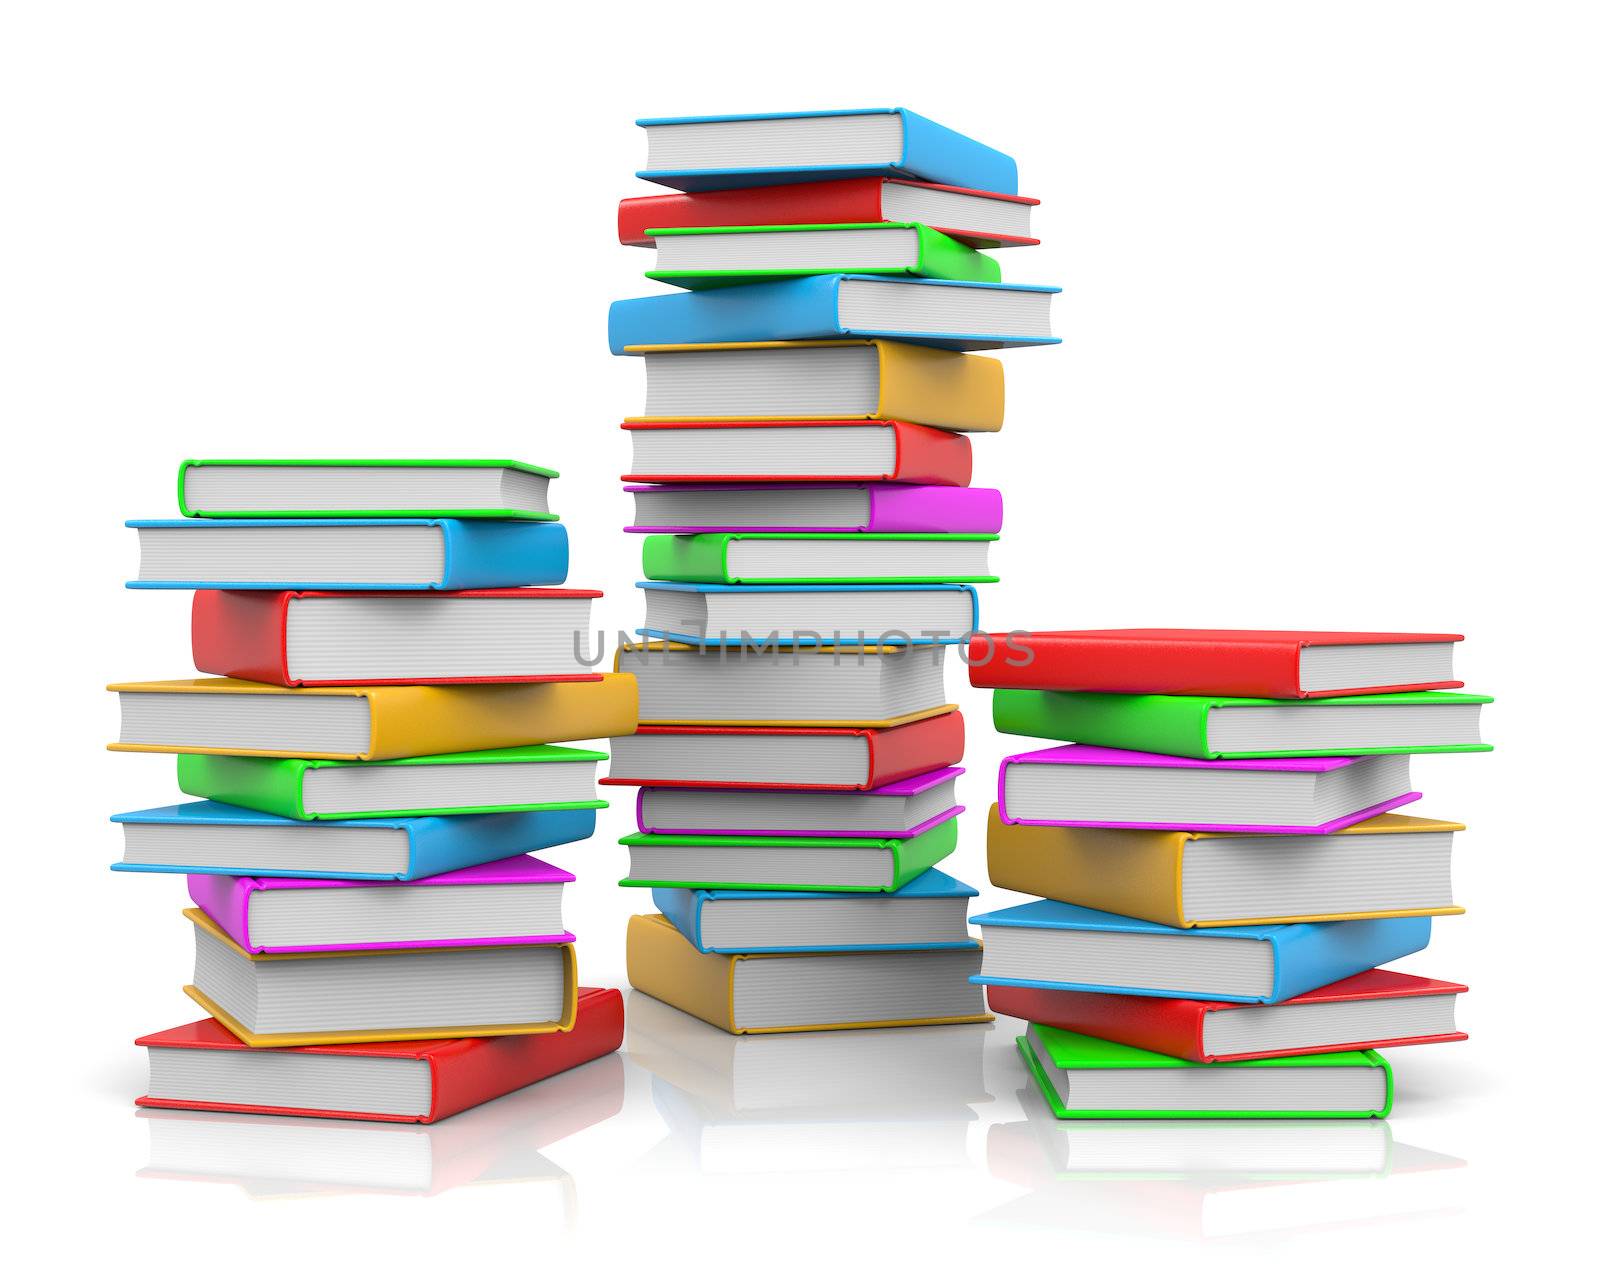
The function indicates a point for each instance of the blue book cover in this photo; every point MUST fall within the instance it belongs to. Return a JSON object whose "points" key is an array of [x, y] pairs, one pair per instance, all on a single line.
{"points": [[434, 844], [684, 908], [736, 635], [478, 553], [813, 308], [916, 149], [1304, 956]]}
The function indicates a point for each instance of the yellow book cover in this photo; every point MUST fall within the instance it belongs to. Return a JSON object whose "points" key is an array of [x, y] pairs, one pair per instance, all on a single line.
{"points": [[934, 386], [1140, 873], [422, 719]]}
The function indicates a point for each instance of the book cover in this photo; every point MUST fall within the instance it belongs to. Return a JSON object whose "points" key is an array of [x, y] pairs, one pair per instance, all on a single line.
{"points": [[705, 560], [922, 455], [891, 507]]}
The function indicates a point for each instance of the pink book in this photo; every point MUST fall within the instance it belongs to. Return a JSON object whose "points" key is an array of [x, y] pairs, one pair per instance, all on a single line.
{"points": [[269, 915], [882, 507], [1093, 786]]}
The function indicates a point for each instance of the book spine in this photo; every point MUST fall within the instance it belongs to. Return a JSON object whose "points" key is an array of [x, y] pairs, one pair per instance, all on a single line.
{"points": [[442, 844], [937, 154], [226, 899], [1160, 1024], [1163, 726], [928, 455], [934, 510], [665, 965], [893, 754], [920, 853], [481, 554], [839, 201], [699, 559], [940, 388], [801, 308], [945, 259], [266, 785], [1308, 956], [681, 906], [241, 634]]}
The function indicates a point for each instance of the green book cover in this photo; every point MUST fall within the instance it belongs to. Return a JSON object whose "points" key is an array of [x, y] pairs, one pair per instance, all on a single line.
{"points": [[525, 515], [1074, 1052], [704, 559], [1168, 725], [911, 857], [277, 786], [938, 258]]}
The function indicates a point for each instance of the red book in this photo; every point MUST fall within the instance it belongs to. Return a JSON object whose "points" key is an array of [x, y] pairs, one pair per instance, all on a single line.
{"points": [[886, 754], [461, 1073], [1185, 1028], [1281, 664], [396, 637], [921, 454], [836, 201]]}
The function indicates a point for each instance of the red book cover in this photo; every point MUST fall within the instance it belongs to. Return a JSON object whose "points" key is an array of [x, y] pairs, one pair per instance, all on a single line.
{"points": [[465, 1073], [921, 454], [1176, 1027], [1210, 663], [244, 634], [836, 201], [893, 754]]}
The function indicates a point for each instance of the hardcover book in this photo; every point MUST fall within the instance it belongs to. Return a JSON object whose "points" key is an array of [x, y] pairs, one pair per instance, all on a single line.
{"points": [[813, 559], [202, 1066], [796, 450], [774, 615], [879, 509]]}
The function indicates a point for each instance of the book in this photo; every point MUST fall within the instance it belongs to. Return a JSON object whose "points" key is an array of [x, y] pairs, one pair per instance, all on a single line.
{"points": [[719, 558], [730, 255], [793, 759], [1284, 664], [1082, 1077], [929, 913], [294, 637], [1401, 723], [842, 379], [813, 863], [816, 687], [237, 717], [1075, 948], [899, 810], [1382, 866], [347, 553], [220, 839], [982, 219], [815, 508], [959, 315], [797, 450], [705, 153], [1093, 786], [802, 991], [299, 999], [364, 489], [512, 901], [513, 780], [770, 615], [204, 1067], [1374, 1008]]}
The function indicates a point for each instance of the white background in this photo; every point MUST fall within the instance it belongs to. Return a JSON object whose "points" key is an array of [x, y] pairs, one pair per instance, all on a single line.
{"points": [[1330, 321]]}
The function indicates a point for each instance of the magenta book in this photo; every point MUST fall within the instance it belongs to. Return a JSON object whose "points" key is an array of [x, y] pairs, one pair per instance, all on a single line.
{"points": [[816, 508]]}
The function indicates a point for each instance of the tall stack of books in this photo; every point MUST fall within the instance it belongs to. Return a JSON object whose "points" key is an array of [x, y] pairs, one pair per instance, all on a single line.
{"points": [[1221, 866], [373, 936], [801, 475]]}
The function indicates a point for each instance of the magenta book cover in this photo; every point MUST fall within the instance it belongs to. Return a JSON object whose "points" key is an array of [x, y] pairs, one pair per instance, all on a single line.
{"points": [[891, 508], [899, 789], [1105, 757], [226, 899]]}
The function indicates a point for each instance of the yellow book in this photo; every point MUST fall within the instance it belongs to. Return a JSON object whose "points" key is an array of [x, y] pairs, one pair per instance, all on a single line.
{"points": [[1385, 867], [239, 717], [298, 961], [664, 964], [932, 386]]}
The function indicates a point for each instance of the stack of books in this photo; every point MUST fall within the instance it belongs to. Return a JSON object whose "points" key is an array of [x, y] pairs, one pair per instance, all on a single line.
{"points": [[800, 474], [1221, 866], [373, 936]]}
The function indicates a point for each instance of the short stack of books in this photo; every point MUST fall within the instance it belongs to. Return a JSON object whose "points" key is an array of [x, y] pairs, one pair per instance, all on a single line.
{"points": [[1221, 868], [800, 473], [373, 935]]}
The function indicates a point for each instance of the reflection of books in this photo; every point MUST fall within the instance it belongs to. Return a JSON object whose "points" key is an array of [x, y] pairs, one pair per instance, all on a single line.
{"points": [[499, 1142]]}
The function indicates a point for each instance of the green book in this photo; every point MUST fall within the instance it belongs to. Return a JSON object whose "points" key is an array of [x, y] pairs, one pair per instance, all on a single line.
{"points": [[707, 258], [1086, 1078], [520, 779], [365, 489], [1397, 723], [785, 863], [813, 558]]}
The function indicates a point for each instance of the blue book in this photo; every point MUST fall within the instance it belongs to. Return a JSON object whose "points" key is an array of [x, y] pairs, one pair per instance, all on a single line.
{"points": [[207, 838], [705, 153], [348, 553], [1063, 947], [944, 314], [776, 615], [928, 913]]}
